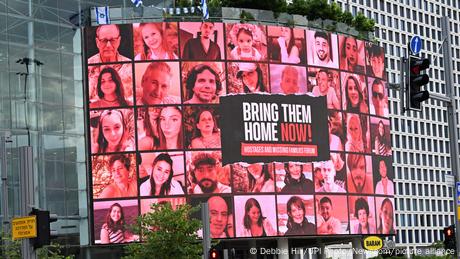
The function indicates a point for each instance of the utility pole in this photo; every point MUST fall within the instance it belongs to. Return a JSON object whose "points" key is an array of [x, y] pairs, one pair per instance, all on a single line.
{"points": [[451, 113]]}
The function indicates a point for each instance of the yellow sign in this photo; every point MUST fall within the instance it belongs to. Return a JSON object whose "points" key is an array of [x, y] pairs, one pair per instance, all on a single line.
{"points": [[372, 243], [24, 227]]}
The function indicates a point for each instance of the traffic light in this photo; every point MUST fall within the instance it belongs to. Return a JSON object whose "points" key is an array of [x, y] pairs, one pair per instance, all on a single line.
{"points": [[449, 237], [44, 232], [415, 80], [213, 253]]}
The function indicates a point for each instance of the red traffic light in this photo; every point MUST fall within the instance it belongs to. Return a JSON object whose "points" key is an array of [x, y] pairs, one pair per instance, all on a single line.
{"points": [[449, 231], [213, 254], [418, 65]]}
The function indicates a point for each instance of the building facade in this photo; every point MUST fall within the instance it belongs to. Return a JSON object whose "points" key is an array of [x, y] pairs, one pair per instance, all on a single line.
{"points": [[423, 176], [42, 106]]}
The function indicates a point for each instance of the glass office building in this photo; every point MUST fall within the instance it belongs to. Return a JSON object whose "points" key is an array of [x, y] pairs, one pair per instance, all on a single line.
{"points": [[42, 106]]}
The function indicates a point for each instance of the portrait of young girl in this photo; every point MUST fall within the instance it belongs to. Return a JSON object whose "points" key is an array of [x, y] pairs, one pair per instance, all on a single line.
{"points": [[255, 216], [351, 54], [381, 144], [110, 90], [113, 221], [247, 77], [161, 128], [246, 42], [252, 178], [287, 45], [385, 215], [355, 93], [150, 42], [163, 179], [358, 134], [114, 131], [110, 85]]}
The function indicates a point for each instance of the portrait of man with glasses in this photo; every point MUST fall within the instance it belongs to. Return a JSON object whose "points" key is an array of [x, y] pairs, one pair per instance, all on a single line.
{"points": [[108, 39]]}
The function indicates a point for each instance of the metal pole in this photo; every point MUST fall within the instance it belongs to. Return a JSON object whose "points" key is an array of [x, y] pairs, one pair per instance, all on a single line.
{"points": [[206, 229], [26, 174], [5, 219], [451, 114], [402, 84]]}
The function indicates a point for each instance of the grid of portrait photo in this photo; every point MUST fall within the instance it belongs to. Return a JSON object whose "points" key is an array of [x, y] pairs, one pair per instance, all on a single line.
{"points": [[152, 98]]}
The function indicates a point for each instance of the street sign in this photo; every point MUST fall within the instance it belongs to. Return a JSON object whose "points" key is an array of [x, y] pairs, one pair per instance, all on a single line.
{"points": [[415, 45], [372, 243], [24, 227], [458, 193]]}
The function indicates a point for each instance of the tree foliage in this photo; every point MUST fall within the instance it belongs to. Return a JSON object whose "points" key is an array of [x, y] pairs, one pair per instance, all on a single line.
{"points": [[12, 249], [166, 233], [312, 9], [272, 5]]}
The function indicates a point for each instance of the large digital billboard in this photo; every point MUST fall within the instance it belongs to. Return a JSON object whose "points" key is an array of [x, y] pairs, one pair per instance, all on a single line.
{"points": [[283, 131]]}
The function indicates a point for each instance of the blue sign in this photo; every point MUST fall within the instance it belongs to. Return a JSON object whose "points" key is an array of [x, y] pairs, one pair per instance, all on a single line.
{"points": [[415, 45], [458, 193]]}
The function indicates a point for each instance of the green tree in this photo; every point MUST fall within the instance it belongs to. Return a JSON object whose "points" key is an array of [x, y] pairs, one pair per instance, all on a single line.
{"points": [[299, 7], [166, 233], [362, 23], [272, 5], [12, 250], [346, 17]]}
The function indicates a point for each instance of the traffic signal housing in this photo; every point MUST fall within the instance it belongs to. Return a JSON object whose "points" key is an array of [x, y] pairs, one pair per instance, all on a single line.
{"points": [[213, 254], [415, 80], [449, 237], [44, 232]]}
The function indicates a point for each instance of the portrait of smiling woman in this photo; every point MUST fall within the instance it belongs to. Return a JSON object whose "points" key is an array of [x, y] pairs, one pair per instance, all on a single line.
{"points": [[160, 181], [255, 224], [297, 223], [115, 230], [109, 90], [123, 184], [355, 98], [114, 134]]}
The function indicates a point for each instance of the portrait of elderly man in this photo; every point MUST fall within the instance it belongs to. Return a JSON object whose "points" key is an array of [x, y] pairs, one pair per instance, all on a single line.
{"points": [[202, 85], [108, 39], [219, 214], [157, 84]]}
